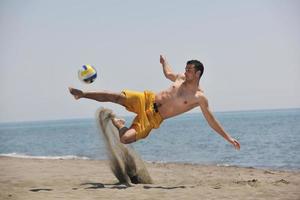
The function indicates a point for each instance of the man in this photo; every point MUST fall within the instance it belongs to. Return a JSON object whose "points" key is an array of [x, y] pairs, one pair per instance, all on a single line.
{"points": [[151, 109]]}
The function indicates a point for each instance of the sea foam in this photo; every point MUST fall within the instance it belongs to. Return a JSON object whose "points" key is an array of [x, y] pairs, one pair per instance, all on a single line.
{"points": [[66, 157]]}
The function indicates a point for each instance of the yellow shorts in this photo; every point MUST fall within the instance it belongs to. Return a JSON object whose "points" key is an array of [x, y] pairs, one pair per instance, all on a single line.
{"points": [[142, 103]]}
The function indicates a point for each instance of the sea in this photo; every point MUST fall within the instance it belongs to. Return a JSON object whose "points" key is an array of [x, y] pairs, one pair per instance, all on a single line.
{"points": [[270, 139]]}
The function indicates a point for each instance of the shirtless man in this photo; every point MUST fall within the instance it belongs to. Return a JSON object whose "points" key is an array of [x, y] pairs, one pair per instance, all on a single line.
{"points": [[151, 109]]}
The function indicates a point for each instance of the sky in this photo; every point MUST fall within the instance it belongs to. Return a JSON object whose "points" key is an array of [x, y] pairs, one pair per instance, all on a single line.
{"points": [[250, 50]]}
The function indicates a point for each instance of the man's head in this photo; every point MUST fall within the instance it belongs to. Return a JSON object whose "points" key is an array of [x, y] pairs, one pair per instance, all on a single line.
{"points": [[196, 66]]}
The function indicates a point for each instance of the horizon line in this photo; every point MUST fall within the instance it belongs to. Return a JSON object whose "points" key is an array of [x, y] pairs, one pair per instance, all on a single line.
{"points": [[187, 113]]}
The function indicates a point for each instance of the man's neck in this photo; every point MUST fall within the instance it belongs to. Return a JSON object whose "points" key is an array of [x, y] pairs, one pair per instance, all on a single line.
{"points": [[192, 85]]}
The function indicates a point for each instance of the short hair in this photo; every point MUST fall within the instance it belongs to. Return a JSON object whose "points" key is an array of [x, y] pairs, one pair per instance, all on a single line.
{"points": [[198, 65]]}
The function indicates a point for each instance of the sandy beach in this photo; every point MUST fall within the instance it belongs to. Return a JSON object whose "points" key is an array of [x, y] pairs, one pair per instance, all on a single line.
{"points": [[89, 179]]}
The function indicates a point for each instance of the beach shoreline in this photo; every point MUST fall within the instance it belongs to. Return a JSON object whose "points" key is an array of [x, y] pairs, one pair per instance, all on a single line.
{"points": [[26, 178]]}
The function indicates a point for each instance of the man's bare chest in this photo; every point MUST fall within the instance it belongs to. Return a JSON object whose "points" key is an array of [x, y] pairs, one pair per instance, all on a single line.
{"points": [[183, 96]]}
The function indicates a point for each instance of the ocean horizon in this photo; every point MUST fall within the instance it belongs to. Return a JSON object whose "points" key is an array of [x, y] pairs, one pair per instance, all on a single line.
{"points": [[269, 139]]}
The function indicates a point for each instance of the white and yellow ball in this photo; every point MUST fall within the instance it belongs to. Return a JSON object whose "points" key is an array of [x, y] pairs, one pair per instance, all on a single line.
{"points": [[87, 74]]}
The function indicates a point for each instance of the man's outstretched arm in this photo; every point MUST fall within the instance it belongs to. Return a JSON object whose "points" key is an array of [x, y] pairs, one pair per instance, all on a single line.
{"points": [[167, 69], [215, 124]]}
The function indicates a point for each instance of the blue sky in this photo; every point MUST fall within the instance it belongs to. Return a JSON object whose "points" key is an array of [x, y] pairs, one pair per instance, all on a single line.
{"points": [[250, 49]]}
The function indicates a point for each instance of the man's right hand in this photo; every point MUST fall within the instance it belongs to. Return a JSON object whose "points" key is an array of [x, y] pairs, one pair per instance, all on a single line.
{"points": [[76, 93], [162, 60]]}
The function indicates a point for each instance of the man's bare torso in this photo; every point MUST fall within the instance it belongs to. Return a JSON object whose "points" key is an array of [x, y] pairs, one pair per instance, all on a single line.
{"points": [[177, 99]]}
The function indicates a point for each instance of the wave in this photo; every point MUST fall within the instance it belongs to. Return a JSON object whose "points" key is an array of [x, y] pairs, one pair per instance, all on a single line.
{"points": [[66, 157]]}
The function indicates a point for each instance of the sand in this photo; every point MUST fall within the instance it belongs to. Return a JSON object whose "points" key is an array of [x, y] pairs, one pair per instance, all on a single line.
{"points": [[89, 179], [124, 161]]}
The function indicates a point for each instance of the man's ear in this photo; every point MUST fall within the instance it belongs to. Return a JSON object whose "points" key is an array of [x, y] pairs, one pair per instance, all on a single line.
{"points": [[198, 73]]}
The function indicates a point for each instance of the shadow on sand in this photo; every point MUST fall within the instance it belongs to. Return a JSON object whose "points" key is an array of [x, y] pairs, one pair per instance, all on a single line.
{"points": [[164, 187], [103, 185], [40, 189], [122, 186]]}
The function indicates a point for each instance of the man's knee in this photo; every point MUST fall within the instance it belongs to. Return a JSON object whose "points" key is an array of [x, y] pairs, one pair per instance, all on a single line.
{"points": [[128, 137], [120, 98], [125, 140]]}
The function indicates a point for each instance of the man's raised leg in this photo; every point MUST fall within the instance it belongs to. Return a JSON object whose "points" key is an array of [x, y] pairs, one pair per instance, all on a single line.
{"points": [[102, 96], [126, 135]]}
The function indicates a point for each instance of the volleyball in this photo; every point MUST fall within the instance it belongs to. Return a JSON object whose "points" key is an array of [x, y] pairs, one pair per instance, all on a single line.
{"points": [[87, 74]]}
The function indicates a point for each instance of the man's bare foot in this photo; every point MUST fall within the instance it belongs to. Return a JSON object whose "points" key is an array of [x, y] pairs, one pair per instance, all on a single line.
{"points": [[118, 123], [76, 93]]}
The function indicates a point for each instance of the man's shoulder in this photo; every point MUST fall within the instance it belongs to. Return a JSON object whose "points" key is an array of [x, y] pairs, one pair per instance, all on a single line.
{"points": [[201, 97], [200, 92], [180, 77]]}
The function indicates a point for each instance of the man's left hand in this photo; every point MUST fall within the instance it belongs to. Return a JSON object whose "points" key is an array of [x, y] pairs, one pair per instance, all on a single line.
{"points": [[235, 143]]}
